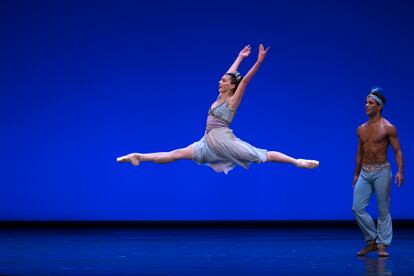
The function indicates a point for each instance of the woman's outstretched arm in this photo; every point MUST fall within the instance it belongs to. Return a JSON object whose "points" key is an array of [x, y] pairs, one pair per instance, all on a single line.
{"points": [[238, 95], [245, 52]]}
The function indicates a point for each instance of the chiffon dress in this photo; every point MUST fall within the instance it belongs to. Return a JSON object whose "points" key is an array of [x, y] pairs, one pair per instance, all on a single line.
{"points": [[219, 148]]}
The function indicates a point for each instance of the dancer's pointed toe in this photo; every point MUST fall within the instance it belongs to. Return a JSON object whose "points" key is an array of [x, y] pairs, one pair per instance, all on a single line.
{"points": [[307, 164], [121, 159], [133, 158], [314, 163]]}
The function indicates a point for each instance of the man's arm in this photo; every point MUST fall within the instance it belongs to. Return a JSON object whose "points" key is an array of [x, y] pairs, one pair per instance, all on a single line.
{"points": [[245, 52], [395, 143], [358, 159]]}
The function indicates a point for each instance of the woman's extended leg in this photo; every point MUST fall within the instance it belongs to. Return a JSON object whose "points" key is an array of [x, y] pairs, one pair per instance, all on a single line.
{"points": [[274, 156], [158, 157]]}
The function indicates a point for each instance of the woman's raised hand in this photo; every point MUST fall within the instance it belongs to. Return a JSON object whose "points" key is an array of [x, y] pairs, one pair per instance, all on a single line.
{"points": [[262, 52], [245, 52]]}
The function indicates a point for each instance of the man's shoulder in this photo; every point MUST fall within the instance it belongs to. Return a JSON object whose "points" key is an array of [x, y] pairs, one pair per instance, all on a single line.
{"points": [[386, 123], [361, 129], [361, 126], [391, 129]]}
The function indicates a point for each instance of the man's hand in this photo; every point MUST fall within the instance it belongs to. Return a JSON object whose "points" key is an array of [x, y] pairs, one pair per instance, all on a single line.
{"points": [[245, 52], [399, 179]]}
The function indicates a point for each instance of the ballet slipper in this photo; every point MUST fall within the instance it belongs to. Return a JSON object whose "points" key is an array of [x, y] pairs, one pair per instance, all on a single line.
{"points": [[307, 164], [133, 158]]}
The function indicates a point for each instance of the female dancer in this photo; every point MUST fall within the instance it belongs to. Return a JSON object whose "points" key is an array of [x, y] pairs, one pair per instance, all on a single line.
{"points": [[219, 148]]}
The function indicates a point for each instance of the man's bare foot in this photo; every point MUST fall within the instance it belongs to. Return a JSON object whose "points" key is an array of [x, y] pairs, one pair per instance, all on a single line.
{"points": [[307, 164], [370, 247], [381, 251], [133, 158]]}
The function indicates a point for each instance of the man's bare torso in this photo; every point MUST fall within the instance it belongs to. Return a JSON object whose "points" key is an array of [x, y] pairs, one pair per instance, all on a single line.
{"points": [[374, 141]]}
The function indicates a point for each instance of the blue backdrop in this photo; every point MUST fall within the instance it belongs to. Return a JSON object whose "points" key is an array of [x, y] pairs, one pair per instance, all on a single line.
{"points": [[83, 82]]}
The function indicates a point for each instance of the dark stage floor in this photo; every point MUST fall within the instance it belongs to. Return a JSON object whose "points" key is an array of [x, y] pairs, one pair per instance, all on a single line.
{"points": [[198, 251]]}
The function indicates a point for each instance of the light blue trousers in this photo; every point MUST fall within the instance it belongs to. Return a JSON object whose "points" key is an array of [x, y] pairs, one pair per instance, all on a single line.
{"points": [[369, 182]]}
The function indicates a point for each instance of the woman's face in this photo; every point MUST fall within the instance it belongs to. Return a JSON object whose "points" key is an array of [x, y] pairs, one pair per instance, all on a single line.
{"points": [[225, 84]]}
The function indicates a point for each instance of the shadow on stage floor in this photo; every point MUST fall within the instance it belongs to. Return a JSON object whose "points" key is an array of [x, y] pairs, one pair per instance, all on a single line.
{"points": [[294, 248]]}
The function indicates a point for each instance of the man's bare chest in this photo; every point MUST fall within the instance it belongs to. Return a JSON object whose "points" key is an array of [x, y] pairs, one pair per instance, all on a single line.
{"points": [[374, 135]]}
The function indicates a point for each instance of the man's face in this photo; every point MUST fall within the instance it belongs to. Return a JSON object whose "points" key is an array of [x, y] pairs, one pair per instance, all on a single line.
{"points": [[371, 106]]}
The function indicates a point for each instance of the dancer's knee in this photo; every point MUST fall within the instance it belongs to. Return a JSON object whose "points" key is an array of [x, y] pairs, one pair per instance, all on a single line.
{"points": [[177, 154], [358, 209], [184, 153]]}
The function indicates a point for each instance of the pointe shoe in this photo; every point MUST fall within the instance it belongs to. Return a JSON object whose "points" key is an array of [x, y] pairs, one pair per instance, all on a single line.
{"points": [[134, 158], [307, 164], [381, 251], [364, 251], [122, 159]]}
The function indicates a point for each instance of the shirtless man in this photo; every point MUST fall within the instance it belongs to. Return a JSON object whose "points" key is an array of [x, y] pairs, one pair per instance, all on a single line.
{"points": [[373, 174]]}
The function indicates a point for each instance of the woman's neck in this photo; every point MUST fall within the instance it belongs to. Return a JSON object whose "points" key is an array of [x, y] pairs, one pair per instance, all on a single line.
{"points": [[224, 96]]}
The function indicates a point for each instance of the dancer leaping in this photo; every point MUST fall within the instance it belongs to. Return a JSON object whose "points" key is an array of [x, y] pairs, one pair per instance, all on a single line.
{"points": [[219, 147]]}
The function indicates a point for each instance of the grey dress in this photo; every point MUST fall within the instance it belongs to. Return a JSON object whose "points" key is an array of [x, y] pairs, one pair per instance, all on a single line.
{"points": [[219, 148]]}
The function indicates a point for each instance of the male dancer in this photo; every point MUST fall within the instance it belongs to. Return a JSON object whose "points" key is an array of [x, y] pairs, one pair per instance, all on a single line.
{"points": [[373, 174]]}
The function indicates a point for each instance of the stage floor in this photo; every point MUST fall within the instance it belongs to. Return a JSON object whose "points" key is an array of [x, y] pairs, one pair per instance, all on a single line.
{"points": [[198, 251]]}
